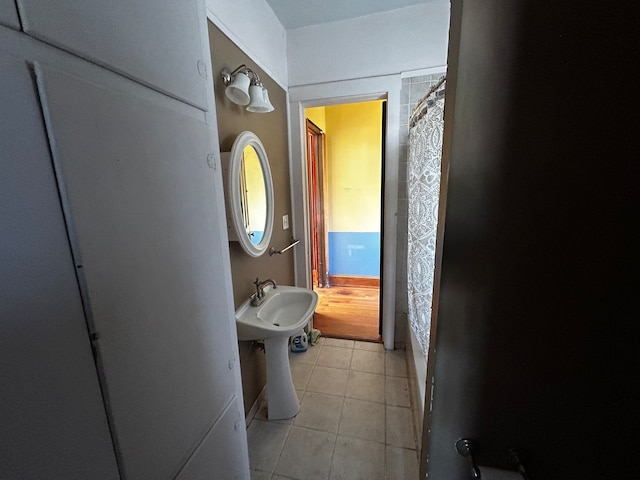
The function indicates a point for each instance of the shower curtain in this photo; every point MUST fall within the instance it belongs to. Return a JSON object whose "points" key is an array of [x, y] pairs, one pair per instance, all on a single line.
{"points": [[423, 190]]}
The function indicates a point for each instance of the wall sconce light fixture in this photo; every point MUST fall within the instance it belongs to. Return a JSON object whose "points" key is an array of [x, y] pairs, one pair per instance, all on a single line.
{"points": [[245, 88]]}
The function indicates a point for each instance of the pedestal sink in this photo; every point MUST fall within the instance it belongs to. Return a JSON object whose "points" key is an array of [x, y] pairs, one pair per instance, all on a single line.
{"points": [[284, 311]]}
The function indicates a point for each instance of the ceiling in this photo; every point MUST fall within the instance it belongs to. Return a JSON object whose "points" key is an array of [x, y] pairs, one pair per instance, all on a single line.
{"points": [[300, 13]]}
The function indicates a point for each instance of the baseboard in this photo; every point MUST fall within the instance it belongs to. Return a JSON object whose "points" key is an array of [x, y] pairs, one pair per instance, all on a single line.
{"points": [[353, 281], [256, 406]]}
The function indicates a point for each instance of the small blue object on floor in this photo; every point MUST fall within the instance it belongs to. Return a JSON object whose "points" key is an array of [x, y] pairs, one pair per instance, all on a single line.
{"points": [[299, 342]]}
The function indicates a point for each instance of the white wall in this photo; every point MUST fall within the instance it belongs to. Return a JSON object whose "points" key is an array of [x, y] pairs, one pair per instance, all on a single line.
{"points": [[406, 39], [252, 26], [331, 51], [331, 93]]}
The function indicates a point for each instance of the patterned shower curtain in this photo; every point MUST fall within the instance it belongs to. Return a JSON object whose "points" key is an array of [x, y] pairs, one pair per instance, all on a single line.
{"points": [[423, 190]]}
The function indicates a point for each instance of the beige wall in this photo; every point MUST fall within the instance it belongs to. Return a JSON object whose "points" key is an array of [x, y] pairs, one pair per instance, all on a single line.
{"points": [[271, 128]]}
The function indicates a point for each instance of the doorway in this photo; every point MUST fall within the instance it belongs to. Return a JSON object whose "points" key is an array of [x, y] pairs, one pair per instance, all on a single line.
{"points": [[387, 88], [344, 153]]}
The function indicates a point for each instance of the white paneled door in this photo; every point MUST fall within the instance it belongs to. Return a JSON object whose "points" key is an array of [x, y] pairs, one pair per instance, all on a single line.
{"points": [[158, 44], [52, 417], [8, 14], [139, 199]]}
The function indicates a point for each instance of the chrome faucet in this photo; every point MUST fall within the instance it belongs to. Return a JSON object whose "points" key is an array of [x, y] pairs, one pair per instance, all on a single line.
{"points": [[258, 297]]}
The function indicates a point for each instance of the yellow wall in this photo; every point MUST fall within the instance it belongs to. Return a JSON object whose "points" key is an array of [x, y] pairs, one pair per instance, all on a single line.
{"points": [[354, 166], [256, 192], [318, 116]]}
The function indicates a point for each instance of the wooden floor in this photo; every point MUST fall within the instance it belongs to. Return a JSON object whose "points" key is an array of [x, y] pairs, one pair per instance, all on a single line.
{"points": [[348, 312]]}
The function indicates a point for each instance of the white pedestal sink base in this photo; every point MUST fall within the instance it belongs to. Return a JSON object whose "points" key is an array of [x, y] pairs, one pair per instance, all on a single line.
{"points": [[282, 399], [283, 311]]}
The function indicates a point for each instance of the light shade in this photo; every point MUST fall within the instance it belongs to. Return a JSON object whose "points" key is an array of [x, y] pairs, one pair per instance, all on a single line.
{"points": [[243, 87], [259, 99], [238, 90]]}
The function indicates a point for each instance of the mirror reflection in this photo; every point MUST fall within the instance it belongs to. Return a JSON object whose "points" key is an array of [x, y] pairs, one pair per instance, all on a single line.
{"points": [[253, 195], [249, 193]]}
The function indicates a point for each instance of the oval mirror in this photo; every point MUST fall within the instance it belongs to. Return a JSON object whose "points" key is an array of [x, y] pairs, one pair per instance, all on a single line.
{"points": [[249, 194]]}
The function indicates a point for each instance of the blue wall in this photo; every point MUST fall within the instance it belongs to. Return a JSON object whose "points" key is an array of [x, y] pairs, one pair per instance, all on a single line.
{"points": [[354, 253], [257, 236]]}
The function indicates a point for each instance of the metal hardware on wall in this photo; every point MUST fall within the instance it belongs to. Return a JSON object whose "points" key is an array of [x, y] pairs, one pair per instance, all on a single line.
{"points": [[244, 88], [467, 448], [273, 251], [202, 69], [211, 161], [515, 458]]}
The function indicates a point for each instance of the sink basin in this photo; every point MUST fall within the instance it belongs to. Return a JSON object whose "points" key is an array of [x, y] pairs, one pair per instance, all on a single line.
{"points": [[284, 311]]}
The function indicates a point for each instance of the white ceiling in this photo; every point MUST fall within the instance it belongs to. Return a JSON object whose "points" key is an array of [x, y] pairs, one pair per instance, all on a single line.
{"points": [[300, 13]]}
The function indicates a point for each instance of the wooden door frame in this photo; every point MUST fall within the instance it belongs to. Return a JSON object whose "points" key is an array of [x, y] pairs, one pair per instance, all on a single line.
{"points": [[316, 186], [332, 93]]}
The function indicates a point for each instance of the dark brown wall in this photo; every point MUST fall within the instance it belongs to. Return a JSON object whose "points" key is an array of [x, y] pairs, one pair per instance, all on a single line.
{"points": [[271, 128], [536, 339]]}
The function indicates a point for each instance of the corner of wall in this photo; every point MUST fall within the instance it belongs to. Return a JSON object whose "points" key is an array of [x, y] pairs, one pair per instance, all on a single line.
{"points": [[408, 38], [256, 30]]}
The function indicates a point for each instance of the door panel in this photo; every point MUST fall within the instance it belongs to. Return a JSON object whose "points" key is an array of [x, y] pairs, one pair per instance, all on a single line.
{"points": [[157, 43], [139, 196], [213, 459], [51, 410], [317, 221], [8, 14]]}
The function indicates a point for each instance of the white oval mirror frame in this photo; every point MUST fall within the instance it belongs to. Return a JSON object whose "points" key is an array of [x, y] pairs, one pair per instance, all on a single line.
{"points": [[249, 139]]}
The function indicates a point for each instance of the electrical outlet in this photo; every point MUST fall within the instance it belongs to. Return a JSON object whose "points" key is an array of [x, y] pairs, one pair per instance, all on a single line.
{"points": [[285, 222]]}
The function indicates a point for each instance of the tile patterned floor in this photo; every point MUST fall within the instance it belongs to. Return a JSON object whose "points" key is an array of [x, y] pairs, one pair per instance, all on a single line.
{"points": [[355, 419]]}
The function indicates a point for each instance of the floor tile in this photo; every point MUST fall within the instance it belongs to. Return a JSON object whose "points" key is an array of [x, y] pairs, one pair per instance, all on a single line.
{"points": [[402, 463], [309, 356], [397, 391], [396, 363], [300, 373], [335, 357], [356, 459], [263, 411], [366, 361], [338, 342], [371, 346], [319, 411], [362, 419], [331, 381], [399, 427], [306, 454], [355, 420], [365, 386], [265, 440], [257, 475]]}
